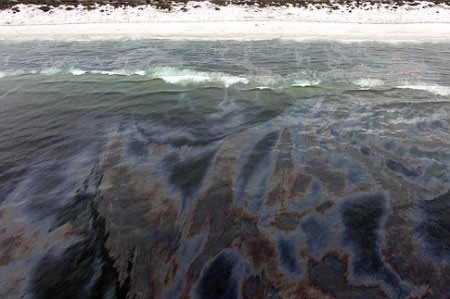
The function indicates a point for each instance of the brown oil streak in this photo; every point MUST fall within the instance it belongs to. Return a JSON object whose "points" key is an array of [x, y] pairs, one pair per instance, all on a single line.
{"points": [[258, 286], [333, 181], [339, 286], [324, 206], [142, 216], [226, 225], [157, 150], [317, 165], [139, 219], [399, 243], [283, 173], [300, 185], [9, 246], [286, 221]]}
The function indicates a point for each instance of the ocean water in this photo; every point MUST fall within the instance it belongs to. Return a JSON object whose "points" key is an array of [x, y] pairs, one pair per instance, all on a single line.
{"points": [[224, 169]]}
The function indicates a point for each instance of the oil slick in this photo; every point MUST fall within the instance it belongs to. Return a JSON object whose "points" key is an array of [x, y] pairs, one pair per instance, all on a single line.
{"points": [[283, 193]]}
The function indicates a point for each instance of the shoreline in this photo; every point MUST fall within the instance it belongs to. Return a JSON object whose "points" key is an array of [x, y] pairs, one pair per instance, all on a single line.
{"points": [[235, 30], [204, 20]]}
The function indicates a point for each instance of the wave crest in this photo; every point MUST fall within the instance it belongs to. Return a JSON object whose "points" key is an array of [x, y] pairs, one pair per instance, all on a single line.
{"points": [[368, 82], [305, 83], [436, 89], [184, 77]]}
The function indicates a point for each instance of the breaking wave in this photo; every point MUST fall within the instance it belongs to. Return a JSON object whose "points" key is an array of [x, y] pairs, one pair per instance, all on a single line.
{"points": [[436, 89], [368, 83], [169, 75], [306, 83], [185, 77]]}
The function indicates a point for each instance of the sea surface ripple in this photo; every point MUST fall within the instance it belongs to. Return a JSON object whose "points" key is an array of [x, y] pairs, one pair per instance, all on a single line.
{"points": [[224, 169]]}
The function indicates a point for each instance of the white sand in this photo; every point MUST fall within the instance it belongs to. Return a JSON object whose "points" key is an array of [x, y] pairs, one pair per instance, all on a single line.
{"points": [[203, 21]]}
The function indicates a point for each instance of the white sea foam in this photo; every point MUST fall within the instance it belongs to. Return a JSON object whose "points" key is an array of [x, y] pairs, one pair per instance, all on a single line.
{"points": [[184, 76], [11, 73], [168, 74], [108, 73], [178, 76], [436, 89], [77, 72], [185, 79], [368, 82], [121, 72], [267, 81], [231, 80], [305, 83], [50, 71]]}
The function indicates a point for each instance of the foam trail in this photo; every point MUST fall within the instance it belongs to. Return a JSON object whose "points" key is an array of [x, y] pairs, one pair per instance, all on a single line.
{"points": [[184, 76], [305, 83], [77, 72], [436, 89], [51, 71], [368, 83], [168, 74], [121, 72], [178, 76], [268, 82], [12, 73]]}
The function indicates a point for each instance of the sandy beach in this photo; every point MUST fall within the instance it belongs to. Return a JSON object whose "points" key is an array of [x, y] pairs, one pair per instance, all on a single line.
{"points": [[204, 20]]}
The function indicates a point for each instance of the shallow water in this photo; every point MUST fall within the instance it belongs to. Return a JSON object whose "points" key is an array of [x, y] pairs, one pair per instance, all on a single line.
{"points": [[224, 169]]}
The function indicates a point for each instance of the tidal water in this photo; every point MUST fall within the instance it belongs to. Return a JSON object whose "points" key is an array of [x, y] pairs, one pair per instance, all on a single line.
{"points": [[224, 169]]}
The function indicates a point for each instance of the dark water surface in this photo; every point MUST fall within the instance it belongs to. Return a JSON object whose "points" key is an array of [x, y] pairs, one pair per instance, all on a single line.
{"points": [[275, 169]]}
